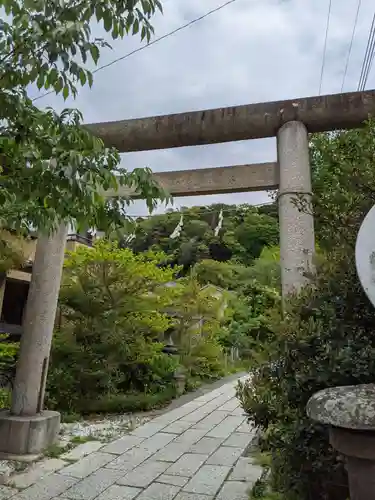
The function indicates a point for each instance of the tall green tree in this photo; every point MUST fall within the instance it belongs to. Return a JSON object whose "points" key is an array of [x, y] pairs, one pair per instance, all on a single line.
{"points": [[53, 169], [244, 233], [325, 337]]}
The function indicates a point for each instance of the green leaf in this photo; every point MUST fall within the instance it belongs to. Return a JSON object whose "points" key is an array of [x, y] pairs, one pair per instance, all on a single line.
{"points": [[94, 51], [40, 80], [66, 92], [135, 27], [82, 76], [90, 78], [107, 21]]}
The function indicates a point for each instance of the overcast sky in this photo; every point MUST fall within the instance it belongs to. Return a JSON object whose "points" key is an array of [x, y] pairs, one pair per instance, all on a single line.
{"points": [[250, 51]]}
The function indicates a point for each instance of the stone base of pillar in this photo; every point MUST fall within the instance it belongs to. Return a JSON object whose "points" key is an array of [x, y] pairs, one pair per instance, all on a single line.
{"points": [[28, 435]]}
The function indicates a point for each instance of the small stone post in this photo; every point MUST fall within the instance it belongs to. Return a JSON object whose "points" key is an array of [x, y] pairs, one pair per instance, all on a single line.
{"points": [[26, 428], [296, 226]]}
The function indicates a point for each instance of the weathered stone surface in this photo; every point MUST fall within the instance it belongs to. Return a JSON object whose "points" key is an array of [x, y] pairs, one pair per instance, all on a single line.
{"points": [[37, 472], [238, 411], [191, 436], [246, 470], [87, 465], [116, 492], [238, 440], [206, 445], [157, 441], [226, 427], [7, 468], [350, 407], [122, 445], [172, 452], [187, 465], [192, 496], [6, 492], [197, 415], [225, 455], [246, 428], [177, 427], [148, 430], [90, 487], [47, 488], [234, 490], [210, 421], [208, 480], [82, 450], [144, 474], [158, 491], [28, 435], [130, 459], [230, 405], [175, 480]]}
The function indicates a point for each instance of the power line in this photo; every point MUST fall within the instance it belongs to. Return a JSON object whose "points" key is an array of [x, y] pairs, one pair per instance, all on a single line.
{"points": [[325, 46], [351, 44], [153, 42], [369, 57]]}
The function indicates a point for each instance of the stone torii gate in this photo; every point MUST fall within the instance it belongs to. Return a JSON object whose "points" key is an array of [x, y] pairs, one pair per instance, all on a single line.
{"points": [[26, 428]]}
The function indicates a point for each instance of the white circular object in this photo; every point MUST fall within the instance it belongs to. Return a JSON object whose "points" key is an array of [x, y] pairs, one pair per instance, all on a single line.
{"points": [[365, 255]]}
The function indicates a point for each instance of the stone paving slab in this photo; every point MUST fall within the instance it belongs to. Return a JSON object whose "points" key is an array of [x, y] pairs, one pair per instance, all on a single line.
{"points": [[225, 455], [175, 480], [206, 445], [172, 452], [47, 488], [122, 445], [159, 491], [191, 436], [144, 474], [82, 450], [239, 440], [192, 496], [116, 492], [208, 480], [158, 441], [148, 430], [6, 492], [37, 472], [177, 427], [187, 465], [87, 465], [234, 490], [193, 452], [91, 487], [130, 459], [246, 470], [226, 427]]}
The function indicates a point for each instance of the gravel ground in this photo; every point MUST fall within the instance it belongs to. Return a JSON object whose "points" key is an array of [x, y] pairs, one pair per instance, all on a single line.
{"points": [[103, 429]]}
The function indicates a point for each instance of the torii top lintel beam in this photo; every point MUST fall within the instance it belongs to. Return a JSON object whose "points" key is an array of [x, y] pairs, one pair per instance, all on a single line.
{"points": [[252, 121]]}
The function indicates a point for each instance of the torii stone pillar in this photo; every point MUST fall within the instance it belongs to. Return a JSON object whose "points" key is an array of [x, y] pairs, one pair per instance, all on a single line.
{"points": [[296, 226], [26, 428]]}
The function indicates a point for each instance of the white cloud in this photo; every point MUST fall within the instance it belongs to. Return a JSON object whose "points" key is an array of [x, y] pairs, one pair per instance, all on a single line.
{"points": [[251, 51]]}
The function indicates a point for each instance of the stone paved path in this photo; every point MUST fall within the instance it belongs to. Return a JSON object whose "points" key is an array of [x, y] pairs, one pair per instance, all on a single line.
{"points": [[194, 452]]}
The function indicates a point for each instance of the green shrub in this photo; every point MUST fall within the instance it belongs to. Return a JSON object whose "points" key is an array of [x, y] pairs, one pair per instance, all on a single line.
{"points": [[325, 339], [204, 361], [5, 395], [8, 354], [127, 403], [112, 317]]}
